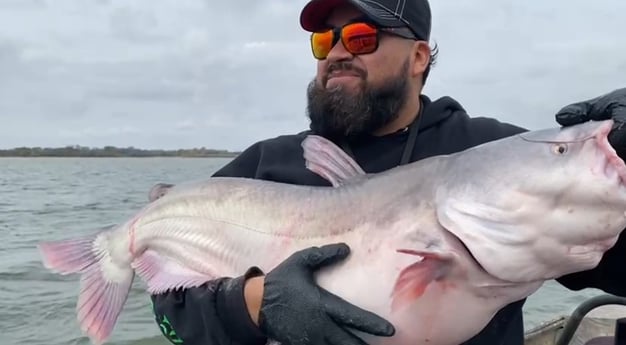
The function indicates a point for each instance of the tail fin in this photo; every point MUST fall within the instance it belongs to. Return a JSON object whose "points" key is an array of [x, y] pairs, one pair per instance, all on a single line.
{"points": [[104, 285]]}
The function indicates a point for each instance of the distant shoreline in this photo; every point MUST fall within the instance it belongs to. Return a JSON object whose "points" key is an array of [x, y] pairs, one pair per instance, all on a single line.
{"points": [[155, 156], [112, 152]]}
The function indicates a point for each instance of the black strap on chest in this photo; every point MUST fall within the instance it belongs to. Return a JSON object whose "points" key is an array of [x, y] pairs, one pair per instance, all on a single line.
{"points": [[409, 147]]}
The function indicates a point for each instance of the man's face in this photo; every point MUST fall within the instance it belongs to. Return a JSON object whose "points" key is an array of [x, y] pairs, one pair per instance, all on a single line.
{"points": [[353, 95]]}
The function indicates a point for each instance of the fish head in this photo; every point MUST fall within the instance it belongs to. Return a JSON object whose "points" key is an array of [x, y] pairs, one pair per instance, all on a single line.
{"points": [[537, 205]]}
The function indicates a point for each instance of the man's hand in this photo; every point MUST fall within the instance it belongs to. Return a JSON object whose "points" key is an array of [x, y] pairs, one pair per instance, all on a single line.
{"points": [[608, 106], [294, 310]]}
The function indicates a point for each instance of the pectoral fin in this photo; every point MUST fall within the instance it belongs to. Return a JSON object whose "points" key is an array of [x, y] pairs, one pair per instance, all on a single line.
{"points": [[414, 279]]}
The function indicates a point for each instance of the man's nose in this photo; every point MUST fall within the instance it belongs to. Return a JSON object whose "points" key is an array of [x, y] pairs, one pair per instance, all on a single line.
{"points": [[338, 53]]}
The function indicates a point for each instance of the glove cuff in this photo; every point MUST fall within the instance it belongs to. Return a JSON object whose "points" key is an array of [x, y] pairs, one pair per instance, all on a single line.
{"points": [[232, 310]]}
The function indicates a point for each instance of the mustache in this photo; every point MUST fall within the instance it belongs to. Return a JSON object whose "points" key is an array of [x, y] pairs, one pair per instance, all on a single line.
{"points": [[345, 66]]}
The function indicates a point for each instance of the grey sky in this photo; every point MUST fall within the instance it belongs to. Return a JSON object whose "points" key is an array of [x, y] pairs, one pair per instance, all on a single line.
{"points": [[174, 73]]}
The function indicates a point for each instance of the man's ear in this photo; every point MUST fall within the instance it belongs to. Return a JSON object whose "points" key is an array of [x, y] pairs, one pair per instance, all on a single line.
{"points": [[421, 57]]}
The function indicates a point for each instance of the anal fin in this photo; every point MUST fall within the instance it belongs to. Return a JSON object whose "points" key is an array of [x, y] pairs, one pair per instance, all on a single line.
{"points": [[415, 278], [162, 274]]}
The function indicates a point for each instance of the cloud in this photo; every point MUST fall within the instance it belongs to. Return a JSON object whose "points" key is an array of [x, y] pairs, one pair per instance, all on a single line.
{"points": [[522, 61], [172, 74]]}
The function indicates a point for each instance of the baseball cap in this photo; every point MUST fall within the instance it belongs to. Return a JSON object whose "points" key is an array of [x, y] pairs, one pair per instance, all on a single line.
{"points": [[414, 14]]}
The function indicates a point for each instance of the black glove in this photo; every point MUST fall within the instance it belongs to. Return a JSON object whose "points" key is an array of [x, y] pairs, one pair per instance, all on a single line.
{"points": [[296, 311], [608, 106]]}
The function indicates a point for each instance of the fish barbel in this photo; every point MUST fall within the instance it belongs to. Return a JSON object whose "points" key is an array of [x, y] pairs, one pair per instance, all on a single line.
{"points": [[438, 246]]}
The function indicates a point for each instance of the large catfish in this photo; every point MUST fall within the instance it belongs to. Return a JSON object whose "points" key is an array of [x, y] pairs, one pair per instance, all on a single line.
{"points": [[438, 246]]}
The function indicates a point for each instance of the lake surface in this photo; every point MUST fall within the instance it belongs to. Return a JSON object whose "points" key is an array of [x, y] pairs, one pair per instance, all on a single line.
{"points": [[51, 198]]}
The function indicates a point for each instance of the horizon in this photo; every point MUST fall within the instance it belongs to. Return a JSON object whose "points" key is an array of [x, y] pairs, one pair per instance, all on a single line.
{"points": [[114, 147]]}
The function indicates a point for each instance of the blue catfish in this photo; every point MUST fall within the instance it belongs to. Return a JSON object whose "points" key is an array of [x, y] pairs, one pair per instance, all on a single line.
{"points": [[438, 246]]}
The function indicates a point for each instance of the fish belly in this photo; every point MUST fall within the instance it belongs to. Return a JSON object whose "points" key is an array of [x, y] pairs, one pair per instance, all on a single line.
{"points": [[449, 312]]}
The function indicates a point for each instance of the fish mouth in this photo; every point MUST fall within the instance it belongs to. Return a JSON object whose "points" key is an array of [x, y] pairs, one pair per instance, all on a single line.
{"points": [[610, 164]]}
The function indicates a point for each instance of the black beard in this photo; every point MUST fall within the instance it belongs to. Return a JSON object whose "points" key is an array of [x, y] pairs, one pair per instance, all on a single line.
{"points": [[337, 113]]}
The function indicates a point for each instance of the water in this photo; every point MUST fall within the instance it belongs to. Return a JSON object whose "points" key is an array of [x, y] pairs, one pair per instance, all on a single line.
{"points": [[51, 198]]}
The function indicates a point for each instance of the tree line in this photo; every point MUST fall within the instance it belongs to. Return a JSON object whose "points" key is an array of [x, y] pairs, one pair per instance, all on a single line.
{"points": [[111, 151]]}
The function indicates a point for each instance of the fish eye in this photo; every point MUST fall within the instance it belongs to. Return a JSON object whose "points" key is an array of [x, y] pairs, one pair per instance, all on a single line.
{"points": [[559, 149]]}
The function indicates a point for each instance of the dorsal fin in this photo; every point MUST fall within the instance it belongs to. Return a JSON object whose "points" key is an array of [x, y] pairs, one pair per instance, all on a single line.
{"points": [[327, 160], [158, 190]]}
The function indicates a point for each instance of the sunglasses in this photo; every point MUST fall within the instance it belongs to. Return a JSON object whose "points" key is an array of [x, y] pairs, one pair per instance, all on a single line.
{"points": [[358, 38]]}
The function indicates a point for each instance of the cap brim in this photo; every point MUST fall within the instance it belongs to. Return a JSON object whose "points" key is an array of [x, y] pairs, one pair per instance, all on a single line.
{"points": [[314, 14]]}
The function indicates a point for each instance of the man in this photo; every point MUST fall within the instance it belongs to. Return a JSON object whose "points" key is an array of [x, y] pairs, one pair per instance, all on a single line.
{"points": [[366, 97]]}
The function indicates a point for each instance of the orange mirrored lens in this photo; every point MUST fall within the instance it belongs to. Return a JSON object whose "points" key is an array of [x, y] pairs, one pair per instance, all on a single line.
{"points": [[322, 43], [359, 38]]}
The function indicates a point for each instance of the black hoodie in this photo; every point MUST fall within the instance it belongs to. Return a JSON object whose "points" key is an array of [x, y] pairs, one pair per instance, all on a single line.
{"points": [[215, 314]]}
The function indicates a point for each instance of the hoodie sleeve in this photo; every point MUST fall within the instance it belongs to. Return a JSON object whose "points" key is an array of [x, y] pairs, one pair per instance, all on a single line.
{"points": [[244, 165], [214, 313]]}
